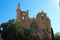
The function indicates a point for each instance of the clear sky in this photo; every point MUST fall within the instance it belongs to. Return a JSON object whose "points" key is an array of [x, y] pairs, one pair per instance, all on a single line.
{"points": [[51, 7]]}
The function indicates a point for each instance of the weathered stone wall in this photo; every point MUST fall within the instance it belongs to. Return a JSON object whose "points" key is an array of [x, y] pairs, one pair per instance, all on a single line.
{"points": [[41, 24]]}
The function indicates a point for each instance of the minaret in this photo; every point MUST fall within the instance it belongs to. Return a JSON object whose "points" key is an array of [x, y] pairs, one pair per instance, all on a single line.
{"points": [[18, 13]]}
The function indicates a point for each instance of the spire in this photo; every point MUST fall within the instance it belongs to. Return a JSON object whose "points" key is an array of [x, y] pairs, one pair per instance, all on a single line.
{"points": [[18, 6], [42, 11]]}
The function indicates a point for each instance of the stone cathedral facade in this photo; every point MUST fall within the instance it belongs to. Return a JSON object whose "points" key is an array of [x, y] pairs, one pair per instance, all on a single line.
{"points": [[41, 24]]}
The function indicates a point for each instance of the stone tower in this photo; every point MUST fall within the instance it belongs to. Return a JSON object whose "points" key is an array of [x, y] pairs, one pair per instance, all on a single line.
{"points": [[41, 25], [18, 13], [21, 15]]}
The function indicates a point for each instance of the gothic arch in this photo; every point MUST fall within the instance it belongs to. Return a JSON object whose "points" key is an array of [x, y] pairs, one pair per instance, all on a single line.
{"points": [[34, 26]]}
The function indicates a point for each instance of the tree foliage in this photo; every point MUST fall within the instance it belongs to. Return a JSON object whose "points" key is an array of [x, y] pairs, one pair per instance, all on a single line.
{"points": [[13, 30], [8, 32], [57, 36]]}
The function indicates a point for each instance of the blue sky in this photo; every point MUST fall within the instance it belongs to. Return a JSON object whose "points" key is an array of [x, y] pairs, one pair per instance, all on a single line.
{"points": [[51, 7]]}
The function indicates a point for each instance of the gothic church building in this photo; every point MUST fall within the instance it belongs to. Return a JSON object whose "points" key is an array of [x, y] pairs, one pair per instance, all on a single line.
{"points": [[41, 24]]}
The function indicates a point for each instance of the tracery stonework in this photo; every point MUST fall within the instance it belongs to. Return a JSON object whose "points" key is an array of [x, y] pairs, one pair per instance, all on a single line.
{"points": [[41, 24]]}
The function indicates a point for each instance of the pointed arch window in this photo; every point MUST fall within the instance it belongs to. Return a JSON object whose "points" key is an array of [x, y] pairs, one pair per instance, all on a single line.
{"points": [[34, 26], [42, 17], [23, 13], [22, 17]]}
